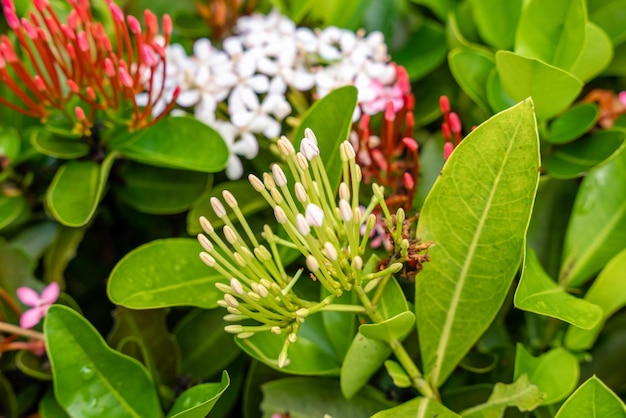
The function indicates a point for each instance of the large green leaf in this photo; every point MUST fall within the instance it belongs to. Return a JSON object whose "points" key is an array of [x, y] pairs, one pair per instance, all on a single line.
{"points": [[178, 142], [57, 146], [163, 273], [521, 394], [471, 68], [417, 408], [303, 397], [11, 208], [593, 399], [159, 190], [496, 21], [551, 88], [597, 226], [607, 291], [204, 345], [198, 401], [553, 32], [555, 372], [330, 118], [491, 178], [596, 56], [50, 408], [537, 293], [610, 16], [424, 51], [91, 379]]}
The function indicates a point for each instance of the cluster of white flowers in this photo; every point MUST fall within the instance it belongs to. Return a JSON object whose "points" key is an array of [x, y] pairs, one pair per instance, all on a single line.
{"points": [[267, 55]]}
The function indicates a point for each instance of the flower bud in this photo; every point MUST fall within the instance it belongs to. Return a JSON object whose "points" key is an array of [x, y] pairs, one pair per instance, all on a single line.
{"points": [[301, 194], [292, 338], [344, 191], [357, 263], [330, 251], [205, 243], [236, 286], [302, 225], [345, 210], [218, 208], [348, 150], [229, 199], [279, 175], [256, 183], [310, 135], [262, 291], [275, 330], [229, 234], [309, 149], [241, 262], [312, 264], [268, 181], [206, 225], [233, 329], [244, 335], [302, 161], [282, 359], [231, 301], [280, 215], [207, 259], [285, 146], [314, 215]]}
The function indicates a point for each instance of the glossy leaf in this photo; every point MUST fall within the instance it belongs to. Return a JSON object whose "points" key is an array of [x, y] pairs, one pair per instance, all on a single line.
{"points": [[498, 99], [596, 55], [607, 291], [330, 118], [610, 17], [396, 328], [10, 143], [178, 142], [204, 345], [249, 200], [555, 373], [593, 399], [164, 273], [307, 397], [339, 326], [553, 32], [471, 68], [424, 51], [150, 329], [397, 374], [198, 401], [597, 226], [551, 88], [496, 21], [365, 356], [58, 146], [537, 293], [574, 159], [492, 175], [311, 354], [159, 190], [417, 408], [50, 408], [521, 394], [10, 209], [573, 123], [61, 252], [91, 379]]}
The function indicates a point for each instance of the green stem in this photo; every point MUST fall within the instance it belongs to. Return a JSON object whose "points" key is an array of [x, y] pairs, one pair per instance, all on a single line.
{"points": [[344, 308]]}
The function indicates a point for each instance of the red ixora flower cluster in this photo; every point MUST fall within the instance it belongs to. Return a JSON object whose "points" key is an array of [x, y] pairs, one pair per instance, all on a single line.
{"points": [[74, 66], [391, 158], [450, 127]]}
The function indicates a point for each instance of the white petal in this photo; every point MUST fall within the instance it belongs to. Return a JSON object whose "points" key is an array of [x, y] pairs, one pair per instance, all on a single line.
{"points": [[234, 169], [232, 46], [188, 98], [267, 66], [202, 49], [247, 146], [242, 119], [329, 52], [303, 80], [277, 86], [259, 83]]}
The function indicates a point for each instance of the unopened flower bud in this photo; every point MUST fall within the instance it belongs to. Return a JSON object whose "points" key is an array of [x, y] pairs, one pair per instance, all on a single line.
{"points": [[229, 199], [244, 335], [229, 234], [205, 243], [278, 198], [222, 303], [447, 150], [206, 225], [292, 338], [282, 359], [218, 208], [279, 175], [302, 312], [310, 135], [275, 330], [262, 291], [233, 329], [314, 215], [233, 318], [302, 225], [285, 146], [330, 251], [254, 296], [207, 259], [348, 150], [301, 194], [241, 262], [280, 215], [309, 149], [345, 210], [256, 183], [268, 181], [231, 301], [302, 161], [312, 264], [356, 215], [231, 310], [357, 263], [344, 191], [236, 286], [262, 253], [223, 288]]}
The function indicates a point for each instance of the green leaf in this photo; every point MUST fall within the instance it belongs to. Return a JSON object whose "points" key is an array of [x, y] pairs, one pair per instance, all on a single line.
{"points": [[593, 399], [551, 88], [441, 8], [417, 408], [32, 365], [424, 51], [330, 118], [8, 401], [610, 16], [537, 293], [76, 190], [396, 328], [597, 226], [198, 401], [555, 373], [339, 326], [61, 252], [58, 146], [471, 68], [521, 394], [553, 32], [607, 291], [596, 56], [204, 345], [150, 329], [164, 273], [397, 374], [250, 202], [496, 96], [491, 177], [90, 379], [496, 21], [10, 143], [158, 190], [50, 408], [574, 159], [617, 67], [365, 356], [573, 123], [11, 208], [178, 142], [303, 397]]}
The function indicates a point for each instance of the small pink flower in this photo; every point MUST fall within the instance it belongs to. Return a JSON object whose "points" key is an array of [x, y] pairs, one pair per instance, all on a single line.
{"points": [[622, 97], [40, 304]]}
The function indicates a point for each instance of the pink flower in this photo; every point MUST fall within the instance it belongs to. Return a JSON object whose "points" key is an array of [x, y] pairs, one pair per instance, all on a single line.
{"points": [[40, 304]]}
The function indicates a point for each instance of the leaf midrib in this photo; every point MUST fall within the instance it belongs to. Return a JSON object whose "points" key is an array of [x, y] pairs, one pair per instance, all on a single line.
{"points": [[445, 334]]}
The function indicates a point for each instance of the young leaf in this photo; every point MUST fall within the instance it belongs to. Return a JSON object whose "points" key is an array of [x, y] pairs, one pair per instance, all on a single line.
{"points": [[521, 394], [573, 123], [496, 21], [555, 373], [198, 401], [397, 374], [553, 32], [551, 88], [490, 180], [396, 328], [417, 408], [596, 56], [471, 68], [164, 273], [593, 399], [365, 356], [90, 379], [309, 397], [537, 293], [597, 226], [607, 291], [178, 142]]}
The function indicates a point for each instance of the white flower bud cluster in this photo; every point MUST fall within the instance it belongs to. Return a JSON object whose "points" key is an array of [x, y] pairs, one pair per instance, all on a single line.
{"points": [[254, 69]]}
